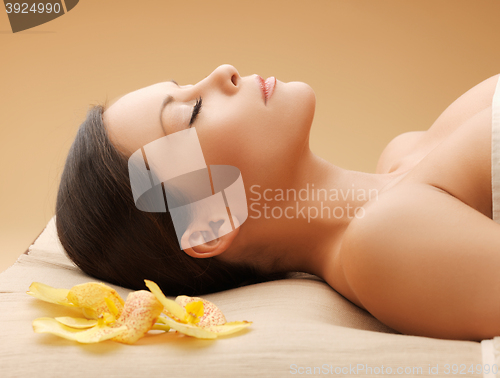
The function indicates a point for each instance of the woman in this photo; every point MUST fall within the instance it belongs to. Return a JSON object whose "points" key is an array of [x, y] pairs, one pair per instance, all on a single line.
{"points": [[414, 244]]}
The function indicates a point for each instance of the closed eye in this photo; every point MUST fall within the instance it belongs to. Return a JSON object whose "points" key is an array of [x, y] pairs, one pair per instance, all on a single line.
{"points": [[196, 111]]}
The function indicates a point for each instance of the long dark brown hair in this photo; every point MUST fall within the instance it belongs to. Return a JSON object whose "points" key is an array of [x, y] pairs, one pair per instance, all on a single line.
{"points": [[105, 235]]}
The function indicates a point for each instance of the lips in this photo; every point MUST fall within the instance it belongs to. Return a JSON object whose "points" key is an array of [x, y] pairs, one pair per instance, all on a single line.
{"points": [[267, 86]]}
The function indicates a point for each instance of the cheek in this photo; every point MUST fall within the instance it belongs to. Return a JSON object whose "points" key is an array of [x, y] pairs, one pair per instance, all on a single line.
{"points": [[225, 145], [253, 138], [232, 132]]}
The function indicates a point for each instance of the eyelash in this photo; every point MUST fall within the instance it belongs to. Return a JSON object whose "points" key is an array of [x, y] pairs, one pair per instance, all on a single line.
{"points": [[196, 111]]}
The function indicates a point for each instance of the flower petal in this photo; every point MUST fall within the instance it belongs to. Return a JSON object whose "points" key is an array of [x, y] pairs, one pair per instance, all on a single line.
{"points": [[91, 335], [172, 309], [195, 311], [76, 322], [139, 314], [228, 328], [49, 294], [91, 296], [161, 319], [99, 333], [212, 315], [113, 308], [190, 329], [161, 327]]}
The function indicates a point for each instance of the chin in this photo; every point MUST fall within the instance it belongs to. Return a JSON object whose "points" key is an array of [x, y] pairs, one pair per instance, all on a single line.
{"points": [[304, 102]]}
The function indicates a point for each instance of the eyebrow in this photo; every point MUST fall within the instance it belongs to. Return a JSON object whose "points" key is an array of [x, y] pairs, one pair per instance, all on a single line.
{"points": [[167, 100]]}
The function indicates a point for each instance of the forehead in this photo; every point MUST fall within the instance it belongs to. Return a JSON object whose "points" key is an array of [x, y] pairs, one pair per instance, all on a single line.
{"points": [[134, 119]]}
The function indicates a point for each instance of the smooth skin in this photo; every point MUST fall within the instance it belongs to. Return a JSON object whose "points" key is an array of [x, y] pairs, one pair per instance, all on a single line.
{"points": [[422, 256], [425, 259]]}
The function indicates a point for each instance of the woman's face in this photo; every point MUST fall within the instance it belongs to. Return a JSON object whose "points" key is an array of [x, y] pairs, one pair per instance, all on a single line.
{"points": [[235, 125]]}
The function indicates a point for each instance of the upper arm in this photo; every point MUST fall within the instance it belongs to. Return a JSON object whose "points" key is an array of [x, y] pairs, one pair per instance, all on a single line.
{"points": [[424, 263]]}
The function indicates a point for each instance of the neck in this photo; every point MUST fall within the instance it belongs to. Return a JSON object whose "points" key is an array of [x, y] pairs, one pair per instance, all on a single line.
{"points": [[299, 227]]}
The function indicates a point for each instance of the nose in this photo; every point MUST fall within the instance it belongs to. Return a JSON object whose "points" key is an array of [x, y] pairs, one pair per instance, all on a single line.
{"points": [[226, 78]]}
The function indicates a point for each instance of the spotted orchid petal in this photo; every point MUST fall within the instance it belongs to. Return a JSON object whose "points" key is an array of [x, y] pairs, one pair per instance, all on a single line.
{"points": [[212, 315], [95, 299], [140, 313]]}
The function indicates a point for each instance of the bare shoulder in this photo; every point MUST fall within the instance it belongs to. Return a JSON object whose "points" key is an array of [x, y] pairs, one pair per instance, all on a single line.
{"points": [[424, 263]]}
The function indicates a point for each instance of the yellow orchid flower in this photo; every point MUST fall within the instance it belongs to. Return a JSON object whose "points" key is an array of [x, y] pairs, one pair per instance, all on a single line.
{"points": [[140, 312], [110, 317], [93, 298], [194, 316]]}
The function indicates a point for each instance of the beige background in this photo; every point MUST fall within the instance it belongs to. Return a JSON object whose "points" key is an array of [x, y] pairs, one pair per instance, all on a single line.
{"points": [[378, 67]]}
